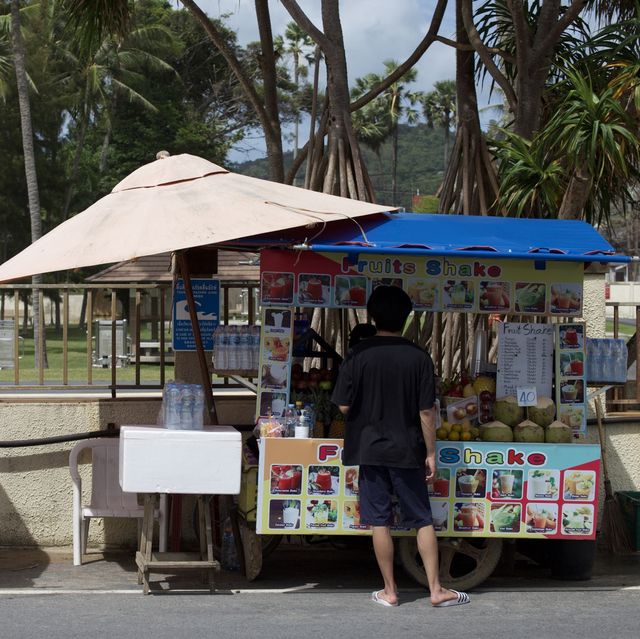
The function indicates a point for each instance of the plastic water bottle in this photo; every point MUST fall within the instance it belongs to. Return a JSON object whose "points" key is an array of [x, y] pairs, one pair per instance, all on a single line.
{"points": [[255, 347], [231, 348], [228, 555], [244, 349], [172, 406], [223, 348], [197, 418], [291, 420], [186, 407]]}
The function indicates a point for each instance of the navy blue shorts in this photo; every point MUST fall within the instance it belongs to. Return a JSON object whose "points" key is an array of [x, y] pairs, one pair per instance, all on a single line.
{"points": [[378, 484]]}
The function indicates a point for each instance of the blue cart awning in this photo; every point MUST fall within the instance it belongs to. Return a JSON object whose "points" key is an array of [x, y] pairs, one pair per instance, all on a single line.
{"points": [[473, 236]]}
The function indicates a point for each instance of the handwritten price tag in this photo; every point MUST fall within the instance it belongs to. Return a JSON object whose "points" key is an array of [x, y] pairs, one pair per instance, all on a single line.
{"points": [[527, 395]]}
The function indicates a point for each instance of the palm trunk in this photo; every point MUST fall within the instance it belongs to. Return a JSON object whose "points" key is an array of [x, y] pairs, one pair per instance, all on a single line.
{"points": [[29, 160], [576, 196]]}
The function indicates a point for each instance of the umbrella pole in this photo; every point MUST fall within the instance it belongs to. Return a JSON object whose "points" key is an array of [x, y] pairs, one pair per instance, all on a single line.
{"points": [[202, 360]]}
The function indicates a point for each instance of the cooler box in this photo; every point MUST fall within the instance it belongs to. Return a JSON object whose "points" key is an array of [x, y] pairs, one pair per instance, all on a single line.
{"points": [[154, 459]]}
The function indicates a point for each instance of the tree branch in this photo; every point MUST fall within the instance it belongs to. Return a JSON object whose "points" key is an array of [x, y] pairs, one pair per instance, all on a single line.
{"points": [[552, 36], [485, 56], [467, 47], [219, 42], [303, 21], [427, 41]]}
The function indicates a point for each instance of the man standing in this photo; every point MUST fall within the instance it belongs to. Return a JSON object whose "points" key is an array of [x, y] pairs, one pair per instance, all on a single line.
{"points": [[386, 390]]}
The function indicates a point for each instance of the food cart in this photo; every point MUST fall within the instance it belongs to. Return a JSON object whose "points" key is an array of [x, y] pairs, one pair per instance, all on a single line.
{"points": [[511, 460]]}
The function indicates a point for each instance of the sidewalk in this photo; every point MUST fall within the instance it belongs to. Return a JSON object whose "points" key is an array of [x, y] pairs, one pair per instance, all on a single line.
{"points": [[293, 567]]}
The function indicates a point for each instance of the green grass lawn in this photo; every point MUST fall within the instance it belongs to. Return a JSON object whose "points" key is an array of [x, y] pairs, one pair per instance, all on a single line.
{"points": [[624, 330], [77, 362]]}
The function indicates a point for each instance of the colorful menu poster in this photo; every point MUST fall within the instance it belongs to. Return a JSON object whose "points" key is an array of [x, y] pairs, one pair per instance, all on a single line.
{"points": [[276, 341], [482, 489], [525, 358], [571, 384], [437, 283]]}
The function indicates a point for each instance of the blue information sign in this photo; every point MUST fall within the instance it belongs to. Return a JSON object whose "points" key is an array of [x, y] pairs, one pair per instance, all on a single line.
{"points": [[206, 295]]}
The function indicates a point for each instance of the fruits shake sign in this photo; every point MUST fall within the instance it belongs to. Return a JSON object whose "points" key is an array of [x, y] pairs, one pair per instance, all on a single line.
{"points": [[433, 283], [481, 490]]}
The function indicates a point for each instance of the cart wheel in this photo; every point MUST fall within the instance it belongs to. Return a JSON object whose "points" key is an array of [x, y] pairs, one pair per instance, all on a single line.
{"points": [[464, 563]]}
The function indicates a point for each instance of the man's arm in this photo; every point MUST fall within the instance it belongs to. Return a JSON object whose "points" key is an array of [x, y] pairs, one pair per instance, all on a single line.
{"points": [[428, 423], [343, 409]]}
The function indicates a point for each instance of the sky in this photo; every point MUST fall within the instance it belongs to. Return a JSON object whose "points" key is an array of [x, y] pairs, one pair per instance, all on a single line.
{"points": [[374, 31]]}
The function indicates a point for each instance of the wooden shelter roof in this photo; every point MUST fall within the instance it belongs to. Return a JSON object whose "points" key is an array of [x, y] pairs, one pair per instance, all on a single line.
{"points": [[236, 266]]}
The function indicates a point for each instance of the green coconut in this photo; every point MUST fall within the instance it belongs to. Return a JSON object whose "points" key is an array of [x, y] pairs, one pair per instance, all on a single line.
{"points": [[558, 433], [507, 411], [528, 431], [496, 431], [543, 413]]}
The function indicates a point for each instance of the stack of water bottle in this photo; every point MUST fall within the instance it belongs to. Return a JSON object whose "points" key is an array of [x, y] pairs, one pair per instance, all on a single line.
{"points": [[183, 406], [236, 348], [607, 361]]}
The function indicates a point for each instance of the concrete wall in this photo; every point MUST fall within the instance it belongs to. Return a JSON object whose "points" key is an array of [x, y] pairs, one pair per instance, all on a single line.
{"points": [[35, 485]]}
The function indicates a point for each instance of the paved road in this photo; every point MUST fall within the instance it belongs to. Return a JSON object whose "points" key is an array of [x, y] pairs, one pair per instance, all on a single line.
{"points": [[543, 615]]}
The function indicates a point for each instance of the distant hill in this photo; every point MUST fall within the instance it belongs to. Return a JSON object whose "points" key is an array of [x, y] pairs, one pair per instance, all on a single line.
{"points": [[420, 165]]}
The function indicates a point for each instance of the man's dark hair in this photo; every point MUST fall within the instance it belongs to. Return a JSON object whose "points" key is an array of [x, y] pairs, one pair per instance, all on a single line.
{"points": [[389, 306]]}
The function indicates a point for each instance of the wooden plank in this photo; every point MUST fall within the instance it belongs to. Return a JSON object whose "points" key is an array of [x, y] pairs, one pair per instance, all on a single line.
{"points": [[65, 337], [137, 333], [40, 345], [16, 337], [89, 321]]}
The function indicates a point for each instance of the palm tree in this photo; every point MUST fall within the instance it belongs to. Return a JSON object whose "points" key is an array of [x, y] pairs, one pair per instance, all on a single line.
{"points": [[26, 126], [371, 123], [399, 103], [597, 137], [439, 108], [299, 46], [109, 74]]}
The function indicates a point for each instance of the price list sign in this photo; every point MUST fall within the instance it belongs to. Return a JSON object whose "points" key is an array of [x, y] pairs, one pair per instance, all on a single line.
{"points": [[525, 358]]}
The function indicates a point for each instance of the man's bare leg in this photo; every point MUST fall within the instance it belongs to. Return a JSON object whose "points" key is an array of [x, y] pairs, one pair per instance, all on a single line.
{"points": [[428, 549], [383, 547]]}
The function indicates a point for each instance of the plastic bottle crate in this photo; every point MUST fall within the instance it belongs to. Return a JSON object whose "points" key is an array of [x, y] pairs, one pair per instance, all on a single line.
{"points": [[630, 505]]}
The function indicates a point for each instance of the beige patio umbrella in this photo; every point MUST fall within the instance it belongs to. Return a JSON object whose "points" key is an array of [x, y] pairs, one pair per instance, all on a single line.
{"points": [[175, 203]]}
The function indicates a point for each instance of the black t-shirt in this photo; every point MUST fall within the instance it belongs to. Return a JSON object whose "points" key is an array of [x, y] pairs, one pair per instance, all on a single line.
{"points": [[386, 382]]}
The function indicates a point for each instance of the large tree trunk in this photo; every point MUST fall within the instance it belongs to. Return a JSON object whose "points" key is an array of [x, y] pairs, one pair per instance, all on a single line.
{"points": [[29, 163], [268, 66], [470, 186]]}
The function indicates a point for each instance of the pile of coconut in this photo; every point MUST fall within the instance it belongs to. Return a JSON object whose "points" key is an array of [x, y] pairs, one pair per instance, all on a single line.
{"points": [[534, 424]]}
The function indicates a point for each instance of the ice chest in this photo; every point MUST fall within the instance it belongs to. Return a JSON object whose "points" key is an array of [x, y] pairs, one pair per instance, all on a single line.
{"points": [[157, 460]]}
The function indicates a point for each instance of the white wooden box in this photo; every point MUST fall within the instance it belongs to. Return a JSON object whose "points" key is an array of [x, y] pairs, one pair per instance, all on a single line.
{"points": [[154, 459]]}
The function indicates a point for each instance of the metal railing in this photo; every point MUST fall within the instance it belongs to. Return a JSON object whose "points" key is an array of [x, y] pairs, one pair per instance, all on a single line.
{"points": [[615, 397], [67, 355]]}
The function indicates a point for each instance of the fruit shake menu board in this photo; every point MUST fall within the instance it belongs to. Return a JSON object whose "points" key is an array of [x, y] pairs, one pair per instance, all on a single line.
{"points": [[276, 340], [474, 285], [481, 489], [525, 358], [571, 383]]}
